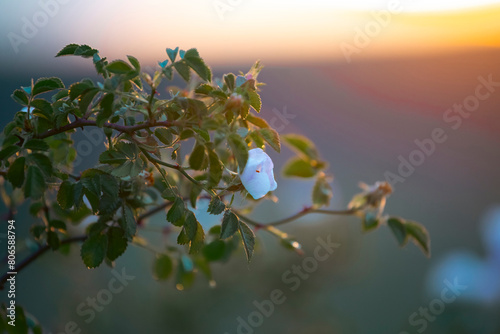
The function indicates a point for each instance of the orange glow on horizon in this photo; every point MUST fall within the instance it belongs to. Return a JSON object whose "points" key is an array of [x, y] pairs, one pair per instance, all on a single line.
{"points": [[291, 36]]}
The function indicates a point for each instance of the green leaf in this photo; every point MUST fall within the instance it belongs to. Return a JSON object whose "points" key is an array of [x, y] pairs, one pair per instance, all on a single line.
{"points": [[183, 239], [204, 89], [168, 72], [20, 97], [87, 99], [322, 192], [164, 135], [37, 230], [93, 199], [163, 267], [119, 67], [43, 85], [194, 193], [240, 150], [134, 62], [84, 51], [43, 104], [198, 241], [215, 250], [16, 172], [398, 228], [35, 183], [193, 60], [229, 80], [96, 228], [197, 158], [172, 53], [169, 192], [176, 211], [78, 195], [65, 195], [58, 224], [117, 243], [203, 134], [272, 138], [59, 95], [126, 155], [36, 145], [420, 236], [248, 238], [301, 145], [299, 168], [260, 122], [229, 225], [128, 222], [43, 162], [53, 240], [216, 206], [8, 152], [78, 89], [370, 221], [35, 208], [37, 329], [109, 185], [112, 157], [91, 181], [215, 169], [183, 69], [107, 109], [190, 225], [43, 108], [68, 50], [94, 250], [255, 101]]}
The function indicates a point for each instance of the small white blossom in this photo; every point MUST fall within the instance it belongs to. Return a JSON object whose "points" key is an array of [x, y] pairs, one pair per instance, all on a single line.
{"points": [[258, 176]]}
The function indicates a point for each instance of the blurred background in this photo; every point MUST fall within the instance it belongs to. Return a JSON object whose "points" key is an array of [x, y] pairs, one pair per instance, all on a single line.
{"points": [[363, 80]]}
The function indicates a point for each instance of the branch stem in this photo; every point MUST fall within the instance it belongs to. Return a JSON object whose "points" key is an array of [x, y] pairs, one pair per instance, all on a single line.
{"points": [[81, 122], [296, 216]]}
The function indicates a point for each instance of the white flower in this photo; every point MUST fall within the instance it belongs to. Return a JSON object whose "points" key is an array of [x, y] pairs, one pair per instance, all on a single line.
{"points": [[258, 176]]}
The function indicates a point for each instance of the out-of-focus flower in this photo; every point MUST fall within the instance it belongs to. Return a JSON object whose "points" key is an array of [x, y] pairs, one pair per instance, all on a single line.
{"points": [[258, 176]]}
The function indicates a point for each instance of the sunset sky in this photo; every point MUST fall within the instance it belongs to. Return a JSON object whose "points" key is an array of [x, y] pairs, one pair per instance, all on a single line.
{"points": [[278, 32]]}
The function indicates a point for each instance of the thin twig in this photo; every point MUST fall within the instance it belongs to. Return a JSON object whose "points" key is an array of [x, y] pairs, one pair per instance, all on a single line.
{"points": [[296, 216], [81, 122]]}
